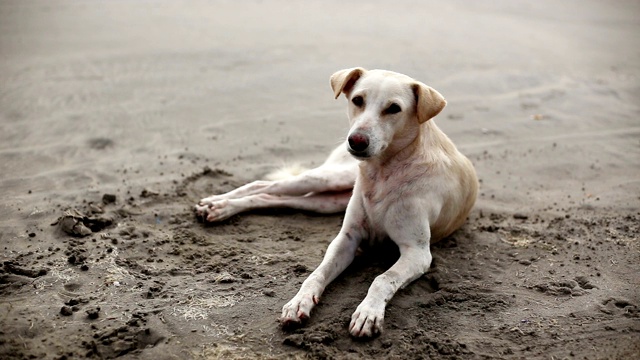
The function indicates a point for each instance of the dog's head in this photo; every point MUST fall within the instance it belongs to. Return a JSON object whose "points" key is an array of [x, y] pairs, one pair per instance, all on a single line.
{"points": [[386, 109]]}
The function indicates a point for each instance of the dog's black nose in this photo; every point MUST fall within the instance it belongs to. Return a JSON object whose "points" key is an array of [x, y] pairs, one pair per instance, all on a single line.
{"points": [[358, 142]]}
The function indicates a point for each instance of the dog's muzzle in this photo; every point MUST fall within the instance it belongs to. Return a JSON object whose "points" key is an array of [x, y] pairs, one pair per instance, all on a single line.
{"points": [[358, 145]]}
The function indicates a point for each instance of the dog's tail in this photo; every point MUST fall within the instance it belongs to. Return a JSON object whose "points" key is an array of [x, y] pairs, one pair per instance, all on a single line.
{"points": [[286, 172]]}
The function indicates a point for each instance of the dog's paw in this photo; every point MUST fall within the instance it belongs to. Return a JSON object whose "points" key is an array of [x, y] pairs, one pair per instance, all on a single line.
{"points": [[209, 200], [298, 309], [213, 211], [367, 320], [219, 211], [201, 209]]}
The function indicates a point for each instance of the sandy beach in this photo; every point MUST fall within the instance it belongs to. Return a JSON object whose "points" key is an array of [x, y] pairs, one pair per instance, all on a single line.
{"points": [[118, 116]]}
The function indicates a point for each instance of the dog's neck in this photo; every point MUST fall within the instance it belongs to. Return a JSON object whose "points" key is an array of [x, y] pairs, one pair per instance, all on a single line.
{"points": [[406, 146]]}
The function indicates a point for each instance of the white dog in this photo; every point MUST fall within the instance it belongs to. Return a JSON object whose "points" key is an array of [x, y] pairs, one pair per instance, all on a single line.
{"points": [[411, 185]]}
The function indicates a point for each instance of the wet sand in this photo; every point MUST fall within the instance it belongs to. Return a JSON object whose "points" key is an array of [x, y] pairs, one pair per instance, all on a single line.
{"points": [[161, 104]]}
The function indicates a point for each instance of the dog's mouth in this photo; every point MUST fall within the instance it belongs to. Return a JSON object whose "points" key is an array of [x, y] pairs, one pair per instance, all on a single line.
{"points": [[360, 155]]}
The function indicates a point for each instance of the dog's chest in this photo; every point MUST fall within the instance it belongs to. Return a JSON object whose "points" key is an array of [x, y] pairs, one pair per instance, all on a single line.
{"points": [[382, 196], [381, 187], [375, 196]]}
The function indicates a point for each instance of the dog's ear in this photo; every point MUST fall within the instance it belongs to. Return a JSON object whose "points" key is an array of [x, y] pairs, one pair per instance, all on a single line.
{"points": [[343, 80], [429, 102]]}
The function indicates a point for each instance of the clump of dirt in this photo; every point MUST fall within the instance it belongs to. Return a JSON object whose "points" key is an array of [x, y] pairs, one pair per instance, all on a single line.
{"points": [[75, 223]]}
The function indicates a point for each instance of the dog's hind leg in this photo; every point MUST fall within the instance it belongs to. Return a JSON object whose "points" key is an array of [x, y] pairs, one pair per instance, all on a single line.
{"points": [[324, 203], [318, 180]]}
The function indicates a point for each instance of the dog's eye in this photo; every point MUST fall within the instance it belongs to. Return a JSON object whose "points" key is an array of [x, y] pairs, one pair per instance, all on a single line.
{"points": [[392, 109], [357, 101]]}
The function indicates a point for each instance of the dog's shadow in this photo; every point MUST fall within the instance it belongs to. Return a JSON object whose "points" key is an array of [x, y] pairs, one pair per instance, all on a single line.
{"points": [[377, 258]]}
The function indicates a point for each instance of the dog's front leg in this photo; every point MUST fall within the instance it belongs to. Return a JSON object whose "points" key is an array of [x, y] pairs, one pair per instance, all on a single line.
{"points": [[415, 259], [339, 255]]}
